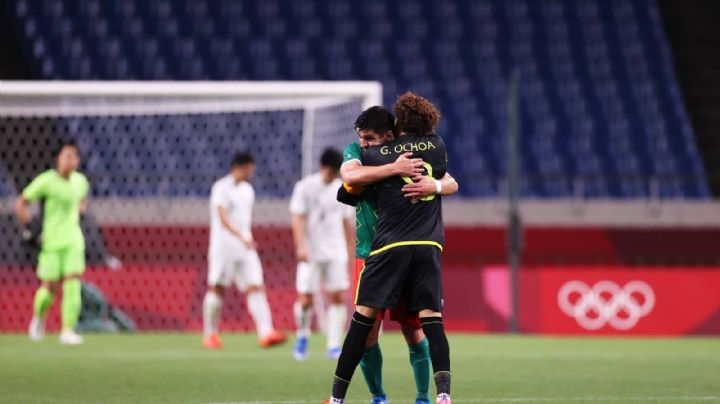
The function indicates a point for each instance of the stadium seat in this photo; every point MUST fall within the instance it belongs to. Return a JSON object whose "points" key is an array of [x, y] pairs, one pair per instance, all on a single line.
{"points": [[598, 91]]}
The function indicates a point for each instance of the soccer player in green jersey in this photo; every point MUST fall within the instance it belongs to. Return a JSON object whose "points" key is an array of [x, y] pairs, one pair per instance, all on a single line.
{"points": [[374, 127], [61, 262]]}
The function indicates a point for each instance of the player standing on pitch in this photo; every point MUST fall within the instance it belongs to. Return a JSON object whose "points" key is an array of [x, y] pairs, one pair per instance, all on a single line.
{"points": [[375, 126], [322, 229], [62, 192], [232, 256], [404, 264]]}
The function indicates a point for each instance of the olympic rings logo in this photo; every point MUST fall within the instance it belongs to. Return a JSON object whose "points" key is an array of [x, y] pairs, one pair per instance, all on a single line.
{"points": [[606, 303]]}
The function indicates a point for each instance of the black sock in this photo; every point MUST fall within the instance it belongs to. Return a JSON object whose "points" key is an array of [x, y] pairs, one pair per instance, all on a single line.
{"points": [[439, 352], [352, 352]]}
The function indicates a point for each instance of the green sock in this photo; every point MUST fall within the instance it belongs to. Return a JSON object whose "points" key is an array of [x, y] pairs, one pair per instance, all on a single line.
{"points": [[420, 362], [371, 366], [43, 301], [71, 303]]}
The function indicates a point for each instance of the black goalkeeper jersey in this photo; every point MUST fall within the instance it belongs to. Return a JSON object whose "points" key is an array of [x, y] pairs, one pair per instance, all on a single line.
{"points": [[401, 222]]}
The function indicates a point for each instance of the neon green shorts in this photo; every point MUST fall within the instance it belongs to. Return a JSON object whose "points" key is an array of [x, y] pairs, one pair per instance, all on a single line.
{"points": [[56, 264]]}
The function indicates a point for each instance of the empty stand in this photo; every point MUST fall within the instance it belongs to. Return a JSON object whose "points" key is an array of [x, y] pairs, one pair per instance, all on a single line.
{"points": [[602, 115]]}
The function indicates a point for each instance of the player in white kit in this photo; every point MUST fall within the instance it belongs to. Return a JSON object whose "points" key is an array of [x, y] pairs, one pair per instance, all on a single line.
{"points": [[323, 233], [232, 256]]}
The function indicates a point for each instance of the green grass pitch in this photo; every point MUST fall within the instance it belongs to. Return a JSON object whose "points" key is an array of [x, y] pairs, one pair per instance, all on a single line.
{"points": [[173, 368]]}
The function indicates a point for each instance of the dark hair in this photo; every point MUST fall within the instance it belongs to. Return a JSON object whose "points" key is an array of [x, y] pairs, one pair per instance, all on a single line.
{"points": [[377, 118], [63, 144], [331, 158], [242, 158], [416, 115]]}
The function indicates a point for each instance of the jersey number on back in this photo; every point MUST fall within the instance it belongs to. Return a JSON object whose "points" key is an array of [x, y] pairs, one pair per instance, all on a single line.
{"points": [[429, 170]]}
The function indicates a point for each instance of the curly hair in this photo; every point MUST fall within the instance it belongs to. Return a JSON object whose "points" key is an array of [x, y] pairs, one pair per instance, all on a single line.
{"points": [[415, 115]]}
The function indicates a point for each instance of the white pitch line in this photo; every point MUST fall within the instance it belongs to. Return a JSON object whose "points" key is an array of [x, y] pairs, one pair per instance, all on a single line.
{"points": [[517, 400]]}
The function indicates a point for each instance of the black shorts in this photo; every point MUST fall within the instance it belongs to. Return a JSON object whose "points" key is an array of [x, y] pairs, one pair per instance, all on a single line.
{"points": [[411, 273]]}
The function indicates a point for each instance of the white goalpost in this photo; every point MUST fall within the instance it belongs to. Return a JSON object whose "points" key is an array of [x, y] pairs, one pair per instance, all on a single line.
{"points": [[286, 124], [66, 98], [152, 150]]}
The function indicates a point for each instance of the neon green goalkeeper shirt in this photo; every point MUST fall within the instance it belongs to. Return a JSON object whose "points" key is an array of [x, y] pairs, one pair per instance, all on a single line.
{"points": [[61, 208], [365, 211]]}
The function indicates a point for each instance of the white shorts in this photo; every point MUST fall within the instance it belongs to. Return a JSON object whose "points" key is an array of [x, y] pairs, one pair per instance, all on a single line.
{"points": [[333, 274], [243, 269]]}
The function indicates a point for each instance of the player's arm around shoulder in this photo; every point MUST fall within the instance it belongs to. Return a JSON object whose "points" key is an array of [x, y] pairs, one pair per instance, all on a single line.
{"points": [[352, 159], [423, 186], [349, 195], [448, 185], [354, 173]]}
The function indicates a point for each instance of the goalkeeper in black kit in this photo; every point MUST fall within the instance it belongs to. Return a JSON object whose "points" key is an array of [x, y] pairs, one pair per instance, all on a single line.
{"points": [[404, 264]]}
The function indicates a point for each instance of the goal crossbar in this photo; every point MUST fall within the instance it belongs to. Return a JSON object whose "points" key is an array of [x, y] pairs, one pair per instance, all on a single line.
{"points": [[369, 91]]}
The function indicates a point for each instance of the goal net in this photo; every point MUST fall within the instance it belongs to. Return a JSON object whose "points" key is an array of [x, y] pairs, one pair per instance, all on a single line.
{"points": [[151, 151]]}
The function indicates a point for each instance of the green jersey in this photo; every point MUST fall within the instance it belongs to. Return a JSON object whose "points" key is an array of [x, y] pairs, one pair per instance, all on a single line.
{"points": [[61, 208], [365, 210]]}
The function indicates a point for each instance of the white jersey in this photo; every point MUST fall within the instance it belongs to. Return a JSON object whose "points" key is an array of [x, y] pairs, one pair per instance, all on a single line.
{"points": [[237, 199], [317, 200]]}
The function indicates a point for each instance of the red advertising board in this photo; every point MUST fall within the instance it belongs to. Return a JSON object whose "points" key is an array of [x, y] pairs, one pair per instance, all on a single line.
{"points": [[611, 300]]}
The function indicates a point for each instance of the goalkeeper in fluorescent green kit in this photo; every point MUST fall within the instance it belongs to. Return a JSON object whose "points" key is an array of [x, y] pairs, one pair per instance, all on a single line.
{"points": [[61, 262]]}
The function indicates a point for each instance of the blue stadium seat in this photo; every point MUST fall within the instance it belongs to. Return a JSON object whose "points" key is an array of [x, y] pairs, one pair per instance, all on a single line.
{"points": [[598, 92]]}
